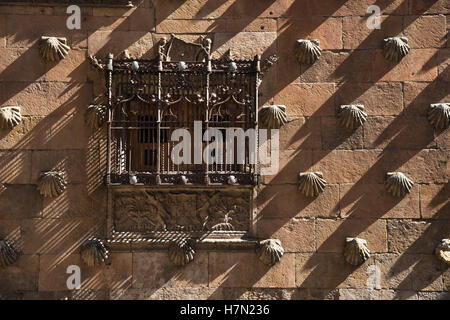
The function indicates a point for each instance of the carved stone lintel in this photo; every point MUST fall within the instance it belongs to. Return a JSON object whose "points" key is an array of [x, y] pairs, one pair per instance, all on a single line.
{"points": [[270, 251], [273, 116], [443, 251], [396, 48], [308, 51], [181, 252], [8, 255], [177, 49], [311, 184], [352, 116], [398, 184], [53, 49], [10, 117], [356, 251], [148, 210], [94, 253], [51, 183], [439, 115]]}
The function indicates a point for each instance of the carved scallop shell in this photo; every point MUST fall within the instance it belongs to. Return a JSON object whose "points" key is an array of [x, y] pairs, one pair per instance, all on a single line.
{"points": [[356, 251], [10, 117], [8, 255], [270, 251], [439, 115], [443, 251], [398, 184], [54, 48], [94, 253], [311, 183], [396, 48], [273, 117], [95, 116], [352, 116], [181, 252], [308, 51], [51, 183]]}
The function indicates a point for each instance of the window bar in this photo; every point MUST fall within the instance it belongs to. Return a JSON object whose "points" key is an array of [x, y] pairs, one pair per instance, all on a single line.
{"points": [[257, 80], [110, 58], [158, 138], [208, 74]]}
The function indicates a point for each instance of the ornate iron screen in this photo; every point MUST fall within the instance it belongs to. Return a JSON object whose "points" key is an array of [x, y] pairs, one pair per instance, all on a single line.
{"points": [[183, 88]]}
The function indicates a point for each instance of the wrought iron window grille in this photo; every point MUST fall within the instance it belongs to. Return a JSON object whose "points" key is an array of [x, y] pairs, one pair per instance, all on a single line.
{"points": [[147, 99]]}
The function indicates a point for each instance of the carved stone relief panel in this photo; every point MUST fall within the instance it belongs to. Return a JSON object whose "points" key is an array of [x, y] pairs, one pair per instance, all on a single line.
{"points": [[147, 210]]}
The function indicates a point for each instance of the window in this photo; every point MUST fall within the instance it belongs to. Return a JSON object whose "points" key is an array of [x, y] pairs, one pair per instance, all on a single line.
{"points": [[213, 101]]}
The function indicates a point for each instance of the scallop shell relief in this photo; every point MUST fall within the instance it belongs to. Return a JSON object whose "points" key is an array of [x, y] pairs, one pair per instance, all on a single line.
{"points": [[356, 251], [352, 116], [94, 253], [311, 184], [8, 255], [443, 251], [273, 117], [396, 48], [53, 48], [10, 117], [51, 183], [181, 252], [308, 51], [270, 251], [95, 116], [439, 115], [398, 184]]}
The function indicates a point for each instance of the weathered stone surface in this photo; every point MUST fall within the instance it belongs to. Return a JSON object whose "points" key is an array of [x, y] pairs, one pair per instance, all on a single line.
{"points": [[296, 235], [336, 137], [415, 236], [153, 269], [385, 98], [307, 99], [364, 201], [285, 201], [331, 234], [425, 31], [245, 45], [231, 269], [356, 34], [406, 271], [22, 275], [15, 167], [302, 133], [20, 202], [372, 294], [328, 271], [418, 96], [290, 164], [395, 132], [435, 201]]}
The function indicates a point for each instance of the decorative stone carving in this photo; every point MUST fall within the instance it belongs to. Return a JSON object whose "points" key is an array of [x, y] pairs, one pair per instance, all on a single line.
{"points": [[181, 252], [308, 51], [396, 48], [439, 115], [352, 116], [94, 253], [95, 116], [177, 49], [51, 183], [443, 251], [232, 180], [182, 210], [311, 183], [270, 251], [53, 48], [398, 184], [356, 251], [10, 117], [225, 225], [8, 255], [273, 117]]}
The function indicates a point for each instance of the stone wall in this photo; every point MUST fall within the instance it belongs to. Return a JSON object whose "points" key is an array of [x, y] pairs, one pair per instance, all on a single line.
{"points": [[401, 232]]}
